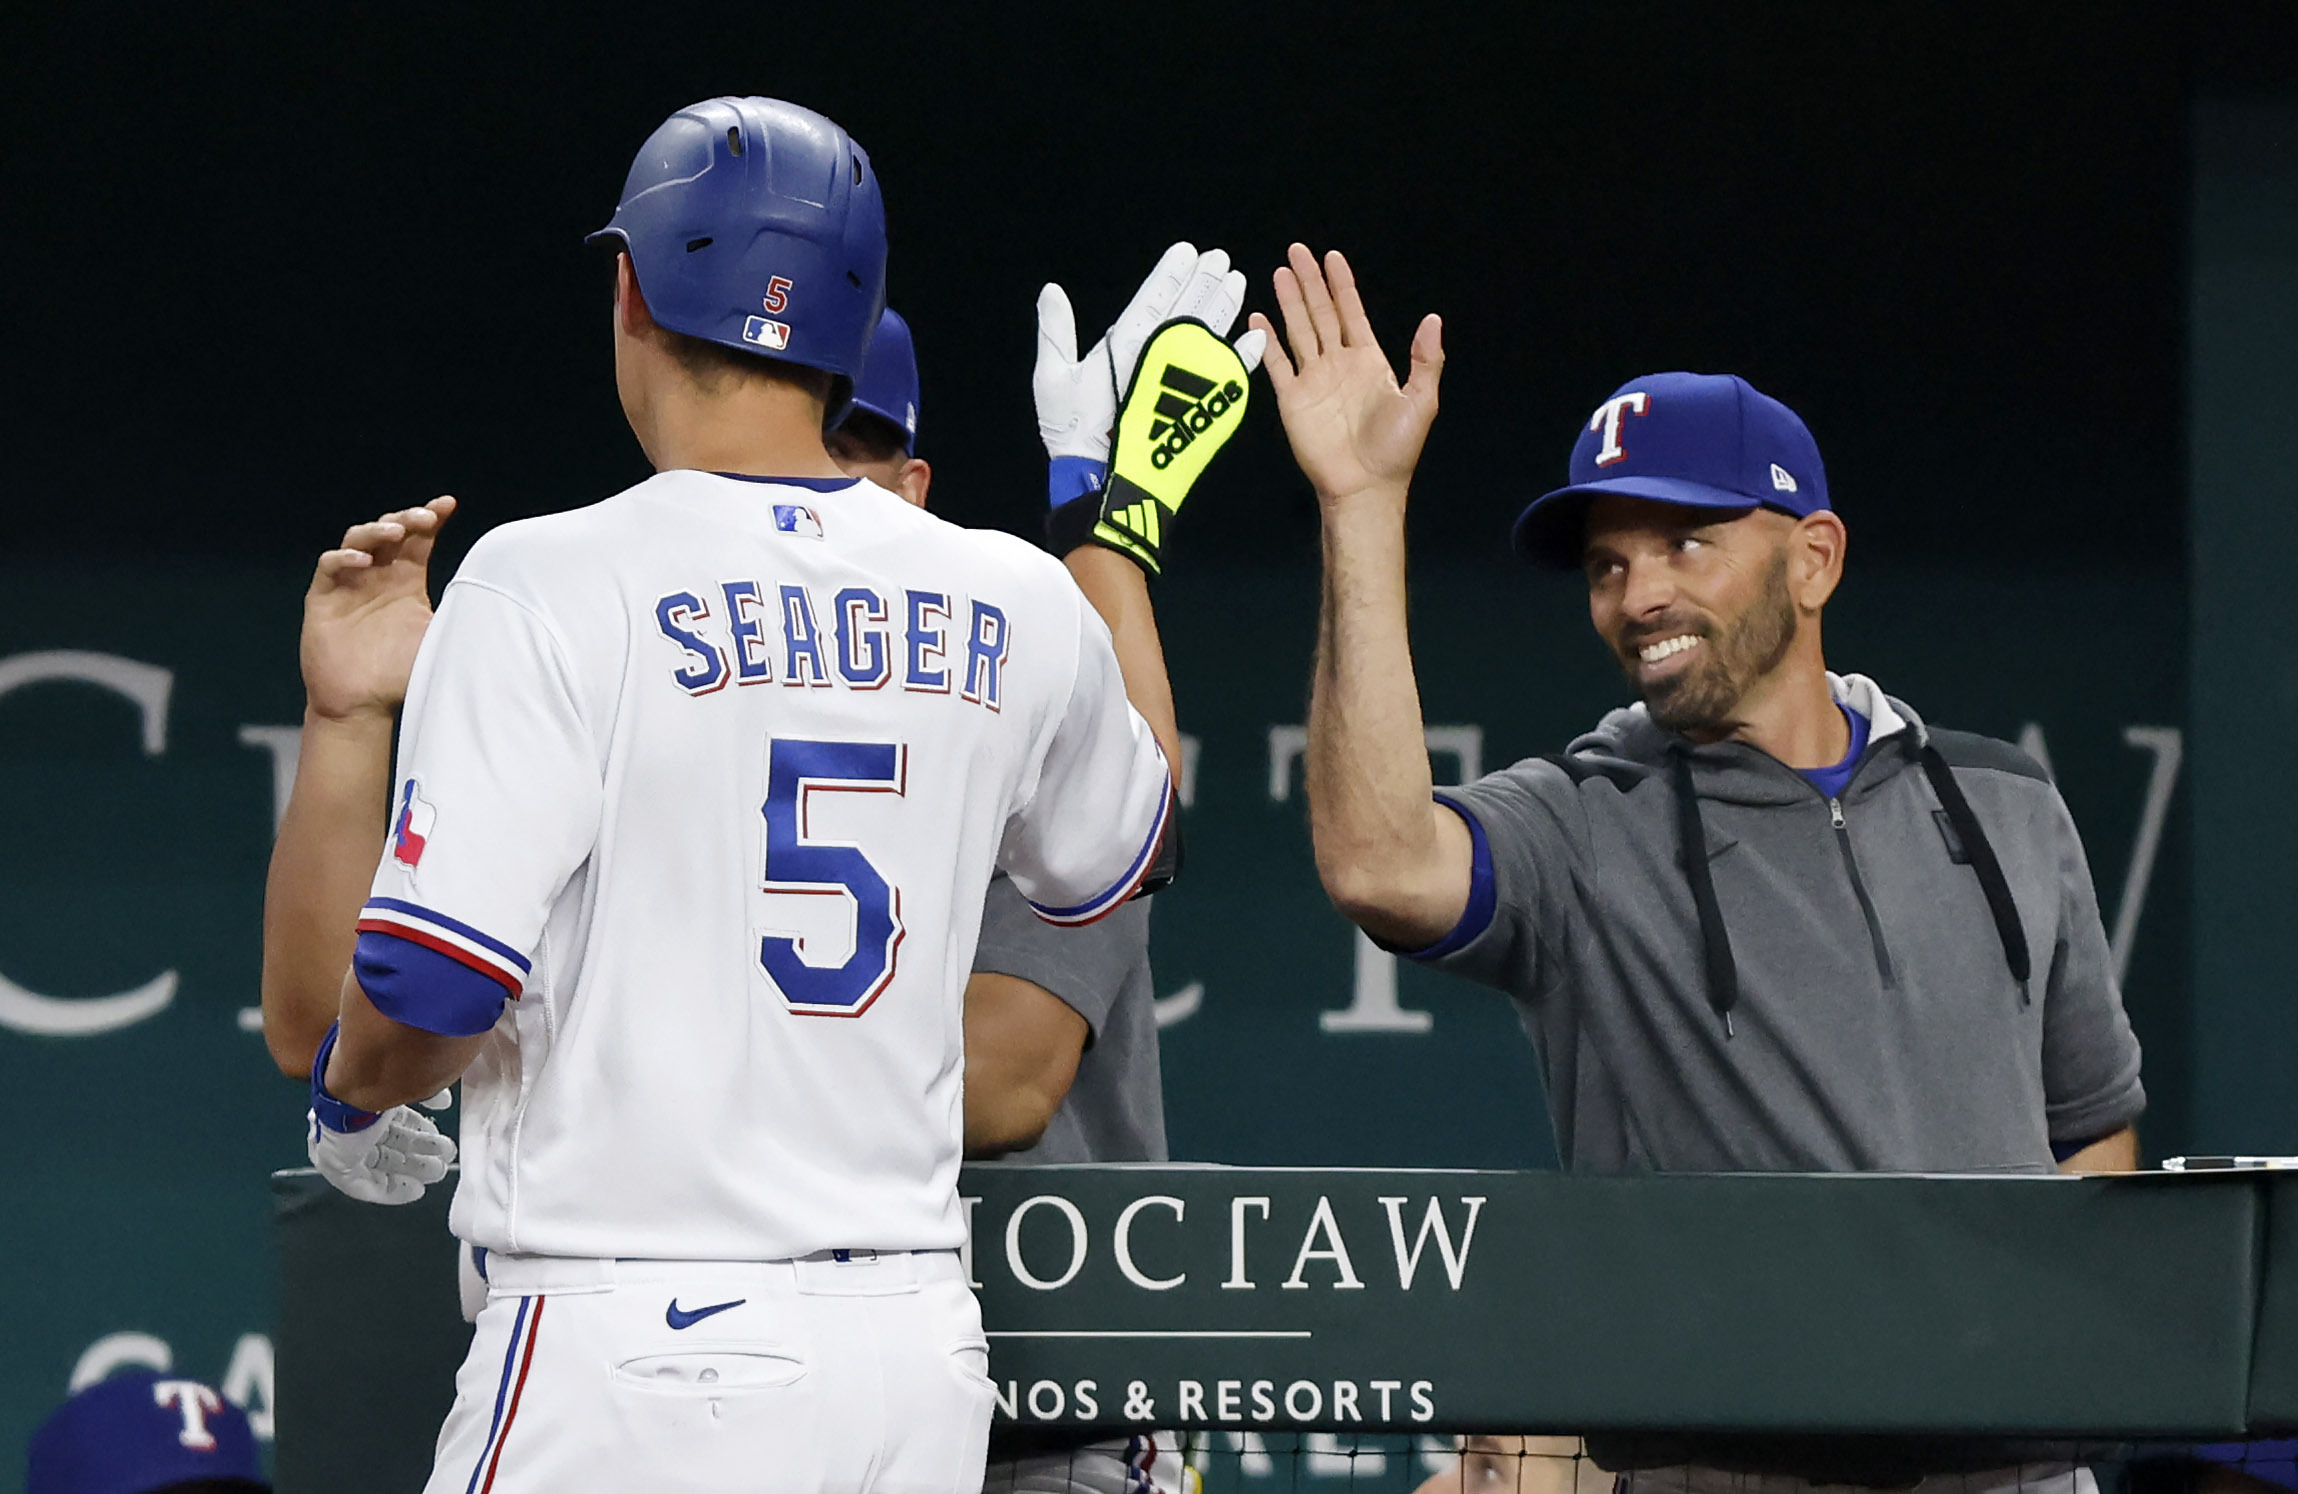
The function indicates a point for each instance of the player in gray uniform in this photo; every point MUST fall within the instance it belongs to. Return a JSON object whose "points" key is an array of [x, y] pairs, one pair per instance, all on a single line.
{"points": [[1061, 1023], [1114, 1111], [1061, 1026], [1061, 1035]]}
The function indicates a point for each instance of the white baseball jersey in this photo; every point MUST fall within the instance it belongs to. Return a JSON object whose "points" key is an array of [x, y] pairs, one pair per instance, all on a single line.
{"points": [[712, 777]]}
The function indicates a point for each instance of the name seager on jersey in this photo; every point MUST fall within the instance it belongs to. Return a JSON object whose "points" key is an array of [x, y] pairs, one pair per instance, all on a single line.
{"points": [[699, 792]]}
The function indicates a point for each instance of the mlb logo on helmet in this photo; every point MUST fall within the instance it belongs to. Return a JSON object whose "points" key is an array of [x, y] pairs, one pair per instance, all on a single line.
{"points": [[142, 1430], [797, 518], [1710, 441], [411, 827], [735, 203]]}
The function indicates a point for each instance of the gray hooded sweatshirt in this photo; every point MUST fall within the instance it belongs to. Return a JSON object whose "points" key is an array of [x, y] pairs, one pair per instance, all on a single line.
{"points": [[1910, 978]]}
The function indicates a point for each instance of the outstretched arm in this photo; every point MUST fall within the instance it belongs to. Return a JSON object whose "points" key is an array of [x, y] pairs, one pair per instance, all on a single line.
{"points": [[1391, 858], [1115, 497], [363, 619], [1119, 591], [1022, 1042]]}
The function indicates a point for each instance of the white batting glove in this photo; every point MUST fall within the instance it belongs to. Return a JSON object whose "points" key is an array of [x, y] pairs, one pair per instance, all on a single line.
{"points": [[1077, 397], [388, 1162]]}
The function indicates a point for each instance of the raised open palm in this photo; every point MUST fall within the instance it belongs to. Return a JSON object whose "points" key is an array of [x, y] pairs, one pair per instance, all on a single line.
{"points": [[367, 610], [1352, 428]]}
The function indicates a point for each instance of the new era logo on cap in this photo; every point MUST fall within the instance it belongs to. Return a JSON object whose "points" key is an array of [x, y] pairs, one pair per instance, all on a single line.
{"points": [[1708, 441]]}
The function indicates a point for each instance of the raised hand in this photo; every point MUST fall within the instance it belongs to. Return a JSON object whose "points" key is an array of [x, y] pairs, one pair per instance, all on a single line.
{"points": [[1077, 397], [1353, 430], [367, 610]]}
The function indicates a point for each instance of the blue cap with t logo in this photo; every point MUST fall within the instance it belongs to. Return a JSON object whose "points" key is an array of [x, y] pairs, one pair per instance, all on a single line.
{"points": [[141, 1431], [1699, 440]]}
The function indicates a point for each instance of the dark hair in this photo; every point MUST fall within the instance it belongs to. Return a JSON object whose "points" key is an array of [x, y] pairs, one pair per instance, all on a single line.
{"points": [[872, 437], [712, 365]]}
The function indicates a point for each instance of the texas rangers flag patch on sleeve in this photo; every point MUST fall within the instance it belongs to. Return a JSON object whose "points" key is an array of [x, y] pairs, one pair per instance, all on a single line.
{"points": [[410, 827]]}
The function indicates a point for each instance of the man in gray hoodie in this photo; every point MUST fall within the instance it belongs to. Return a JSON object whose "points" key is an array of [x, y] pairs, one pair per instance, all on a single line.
{"points": [[1764, 919]]}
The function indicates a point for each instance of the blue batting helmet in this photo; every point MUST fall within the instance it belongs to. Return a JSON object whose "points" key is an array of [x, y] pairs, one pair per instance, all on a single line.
{"points": [[757, 225], [887, 386]]}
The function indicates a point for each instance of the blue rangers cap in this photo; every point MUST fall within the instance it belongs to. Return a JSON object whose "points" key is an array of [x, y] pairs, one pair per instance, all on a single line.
{"points": [[887, 386], [140, 1431], [1700, 440]]}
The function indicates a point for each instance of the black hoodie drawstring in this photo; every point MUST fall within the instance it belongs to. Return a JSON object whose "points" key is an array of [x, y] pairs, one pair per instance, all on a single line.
{"points": [[1715, 939], [1997, 887]]}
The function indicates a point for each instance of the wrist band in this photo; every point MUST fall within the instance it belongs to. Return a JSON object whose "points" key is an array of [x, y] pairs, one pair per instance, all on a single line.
{"points": [[1072, 523], [1068, 477], [329, 1111]]}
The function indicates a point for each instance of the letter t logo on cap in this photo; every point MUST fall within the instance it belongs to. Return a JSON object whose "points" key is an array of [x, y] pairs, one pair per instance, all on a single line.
{"points": [[197, 1403], [1607, 419]]}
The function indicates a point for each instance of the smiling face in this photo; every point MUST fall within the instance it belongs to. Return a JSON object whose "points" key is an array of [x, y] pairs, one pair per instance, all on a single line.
{"points": [[1702, 607]]}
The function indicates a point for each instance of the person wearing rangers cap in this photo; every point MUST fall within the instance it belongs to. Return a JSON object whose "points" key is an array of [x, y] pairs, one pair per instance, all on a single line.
{"points": [[143, 1432], [1764, 918]]}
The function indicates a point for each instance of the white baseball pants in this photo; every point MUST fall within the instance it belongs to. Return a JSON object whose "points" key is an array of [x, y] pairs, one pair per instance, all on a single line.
{"points": [[845, 1373]]}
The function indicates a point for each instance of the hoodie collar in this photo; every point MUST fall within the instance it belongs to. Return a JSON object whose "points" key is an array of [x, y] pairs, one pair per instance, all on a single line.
{"points": [[1885, 716], [1628, 739]]}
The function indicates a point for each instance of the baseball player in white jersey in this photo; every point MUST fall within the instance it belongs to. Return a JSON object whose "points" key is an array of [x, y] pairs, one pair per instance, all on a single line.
{"points": [[699, 790], [367, 612], [365, 616]]}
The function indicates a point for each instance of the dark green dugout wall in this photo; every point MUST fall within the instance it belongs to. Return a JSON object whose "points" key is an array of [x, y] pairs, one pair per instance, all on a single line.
{"points": [[2243, 461]]}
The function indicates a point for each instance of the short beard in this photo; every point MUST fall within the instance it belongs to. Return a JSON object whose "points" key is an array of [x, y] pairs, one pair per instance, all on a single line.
{"points": [[1703, 700]]}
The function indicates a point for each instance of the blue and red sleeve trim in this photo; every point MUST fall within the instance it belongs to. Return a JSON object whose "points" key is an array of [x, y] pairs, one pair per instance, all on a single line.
{"points": [[1101, 906], [424, 969]]}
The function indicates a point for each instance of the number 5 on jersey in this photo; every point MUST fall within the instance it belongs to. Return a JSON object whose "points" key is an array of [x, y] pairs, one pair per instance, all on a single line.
{"points": [[797, 863]]}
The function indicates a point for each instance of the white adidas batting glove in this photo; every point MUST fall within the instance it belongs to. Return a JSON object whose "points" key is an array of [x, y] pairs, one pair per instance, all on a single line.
{"points": [[1077, 397], [390, 1161]]}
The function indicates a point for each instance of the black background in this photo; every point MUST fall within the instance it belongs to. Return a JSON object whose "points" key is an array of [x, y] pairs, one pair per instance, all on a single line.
{"points": [[272, 268]]}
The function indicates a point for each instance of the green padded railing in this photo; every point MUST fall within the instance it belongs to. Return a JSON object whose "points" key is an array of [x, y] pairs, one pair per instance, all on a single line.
{"points": [[1286, 1300]]}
